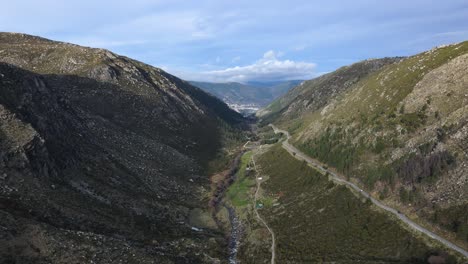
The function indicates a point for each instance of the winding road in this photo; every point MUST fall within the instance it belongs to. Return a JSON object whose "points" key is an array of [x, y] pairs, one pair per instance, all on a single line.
{"points": [[301, 156], [259, 182]]}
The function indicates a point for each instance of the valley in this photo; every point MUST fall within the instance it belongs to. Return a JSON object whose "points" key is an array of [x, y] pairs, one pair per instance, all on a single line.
{"points": [[339, 179], [340, 120], [247, 98], [277, 205], [106, 159]]}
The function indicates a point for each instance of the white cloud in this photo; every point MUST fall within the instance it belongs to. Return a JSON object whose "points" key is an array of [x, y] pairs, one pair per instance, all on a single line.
{"points": [[269, 55], [236, 59], [268, 68], [176, 25], [159, 28], [300, 47]]}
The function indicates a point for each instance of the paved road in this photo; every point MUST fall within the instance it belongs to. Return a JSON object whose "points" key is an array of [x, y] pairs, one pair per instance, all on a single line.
{"points": [[301, 156], [259, 182]]}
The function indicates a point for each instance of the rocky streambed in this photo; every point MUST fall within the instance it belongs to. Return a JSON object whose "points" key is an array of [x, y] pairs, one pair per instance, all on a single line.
{"points": [[217, 202], [234, 236]]}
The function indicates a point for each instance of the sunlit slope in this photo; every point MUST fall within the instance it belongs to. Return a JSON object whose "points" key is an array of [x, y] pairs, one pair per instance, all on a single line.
{"points": [[401, 131]]}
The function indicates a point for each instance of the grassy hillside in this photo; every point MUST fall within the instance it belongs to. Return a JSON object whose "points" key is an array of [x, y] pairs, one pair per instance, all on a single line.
{"points": [[401, 132], [317, 221], [316, 93]]}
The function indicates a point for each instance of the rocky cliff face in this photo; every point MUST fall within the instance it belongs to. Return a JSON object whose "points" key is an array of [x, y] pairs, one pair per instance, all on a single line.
{"points": [[399, 130], [102, 157]]}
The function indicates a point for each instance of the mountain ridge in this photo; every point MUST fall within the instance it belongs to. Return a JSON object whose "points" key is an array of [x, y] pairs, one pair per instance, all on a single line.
{"points": [[398, 131], [106, 155], [253, 94]]}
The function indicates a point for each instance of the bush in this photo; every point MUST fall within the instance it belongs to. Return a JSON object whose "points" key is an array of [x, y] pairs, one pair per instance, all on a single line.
{"points": [[379, 173], [412, 121], [332, 148], [454, 219], [319, 221], [380, 145]]}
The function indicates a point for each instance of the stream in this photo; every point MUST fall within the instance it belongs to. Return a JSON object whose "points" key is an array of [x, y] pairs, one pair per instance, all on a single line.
{"points": [[236, 227], [235, 235]]}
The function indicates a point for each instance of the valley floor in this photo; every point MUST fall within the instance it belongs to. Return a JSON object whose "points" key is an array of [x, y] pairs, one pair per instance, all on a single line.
{"points": [[291, 213], [334, 176]]}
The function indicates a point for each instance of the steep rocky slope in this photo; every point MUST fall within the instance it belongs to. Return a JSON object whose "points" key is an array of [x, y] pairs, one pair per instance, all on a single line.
{"points": [[316, 93], [103, 158], [399, 130]]}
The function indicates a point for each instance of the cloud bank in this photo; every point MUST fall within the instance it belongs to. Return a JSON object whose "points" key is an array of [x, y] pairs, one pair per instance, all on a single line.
{"points": [[268, 68]]}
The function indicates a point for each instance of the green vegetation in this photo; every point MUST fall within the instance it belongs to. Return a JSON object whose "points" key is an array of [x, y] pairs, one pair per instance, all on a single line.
{"points": [[331, 149], [412, 121], [268, 136], [397, 123], [316, 93], [400, 123], [238, 192], [379, 173], [294, 125], [410, 196], [231, 138], [384, 90], [267, 201], [454, 219], [319, 221]]}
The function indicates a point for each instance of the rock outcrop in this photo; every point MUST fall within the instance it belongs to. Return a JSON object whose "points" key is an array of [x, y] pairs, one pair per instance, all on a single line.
{"points": [[102, 158]]}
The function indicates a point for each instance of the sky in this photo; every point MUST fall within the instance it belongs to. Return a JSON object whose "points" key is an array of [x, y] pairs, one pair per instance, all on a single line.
{"points": [[224, 41]]}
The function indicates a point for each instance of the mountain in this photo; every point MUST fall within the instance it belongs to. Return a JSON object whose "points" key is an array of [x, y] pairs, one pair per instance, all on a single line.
{"points": [[316, 220], [104, 158], [254, 95], [396, 126], [313, 94]]}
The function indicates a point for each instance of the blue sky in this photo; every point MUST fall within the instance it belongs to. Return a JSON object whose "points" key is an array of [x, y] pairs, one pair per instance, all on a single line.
{"points": [[244, 40]]}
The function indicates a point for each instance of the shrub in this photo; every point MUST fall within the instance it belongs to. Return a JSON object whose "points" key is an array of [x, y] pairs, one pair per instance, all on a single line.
{"points": [[412, 121]]}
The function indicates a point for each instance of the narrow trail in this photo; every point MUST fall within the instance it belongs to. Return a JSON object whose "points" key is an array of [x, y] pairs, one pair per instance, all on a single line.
{"points": [[259, 182], [301, 156]]}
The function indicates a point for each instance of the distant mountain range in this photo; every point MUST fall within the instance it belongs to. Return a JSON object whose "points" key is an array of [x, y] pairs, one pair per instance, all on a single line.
{"points": [[247, 97]]}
